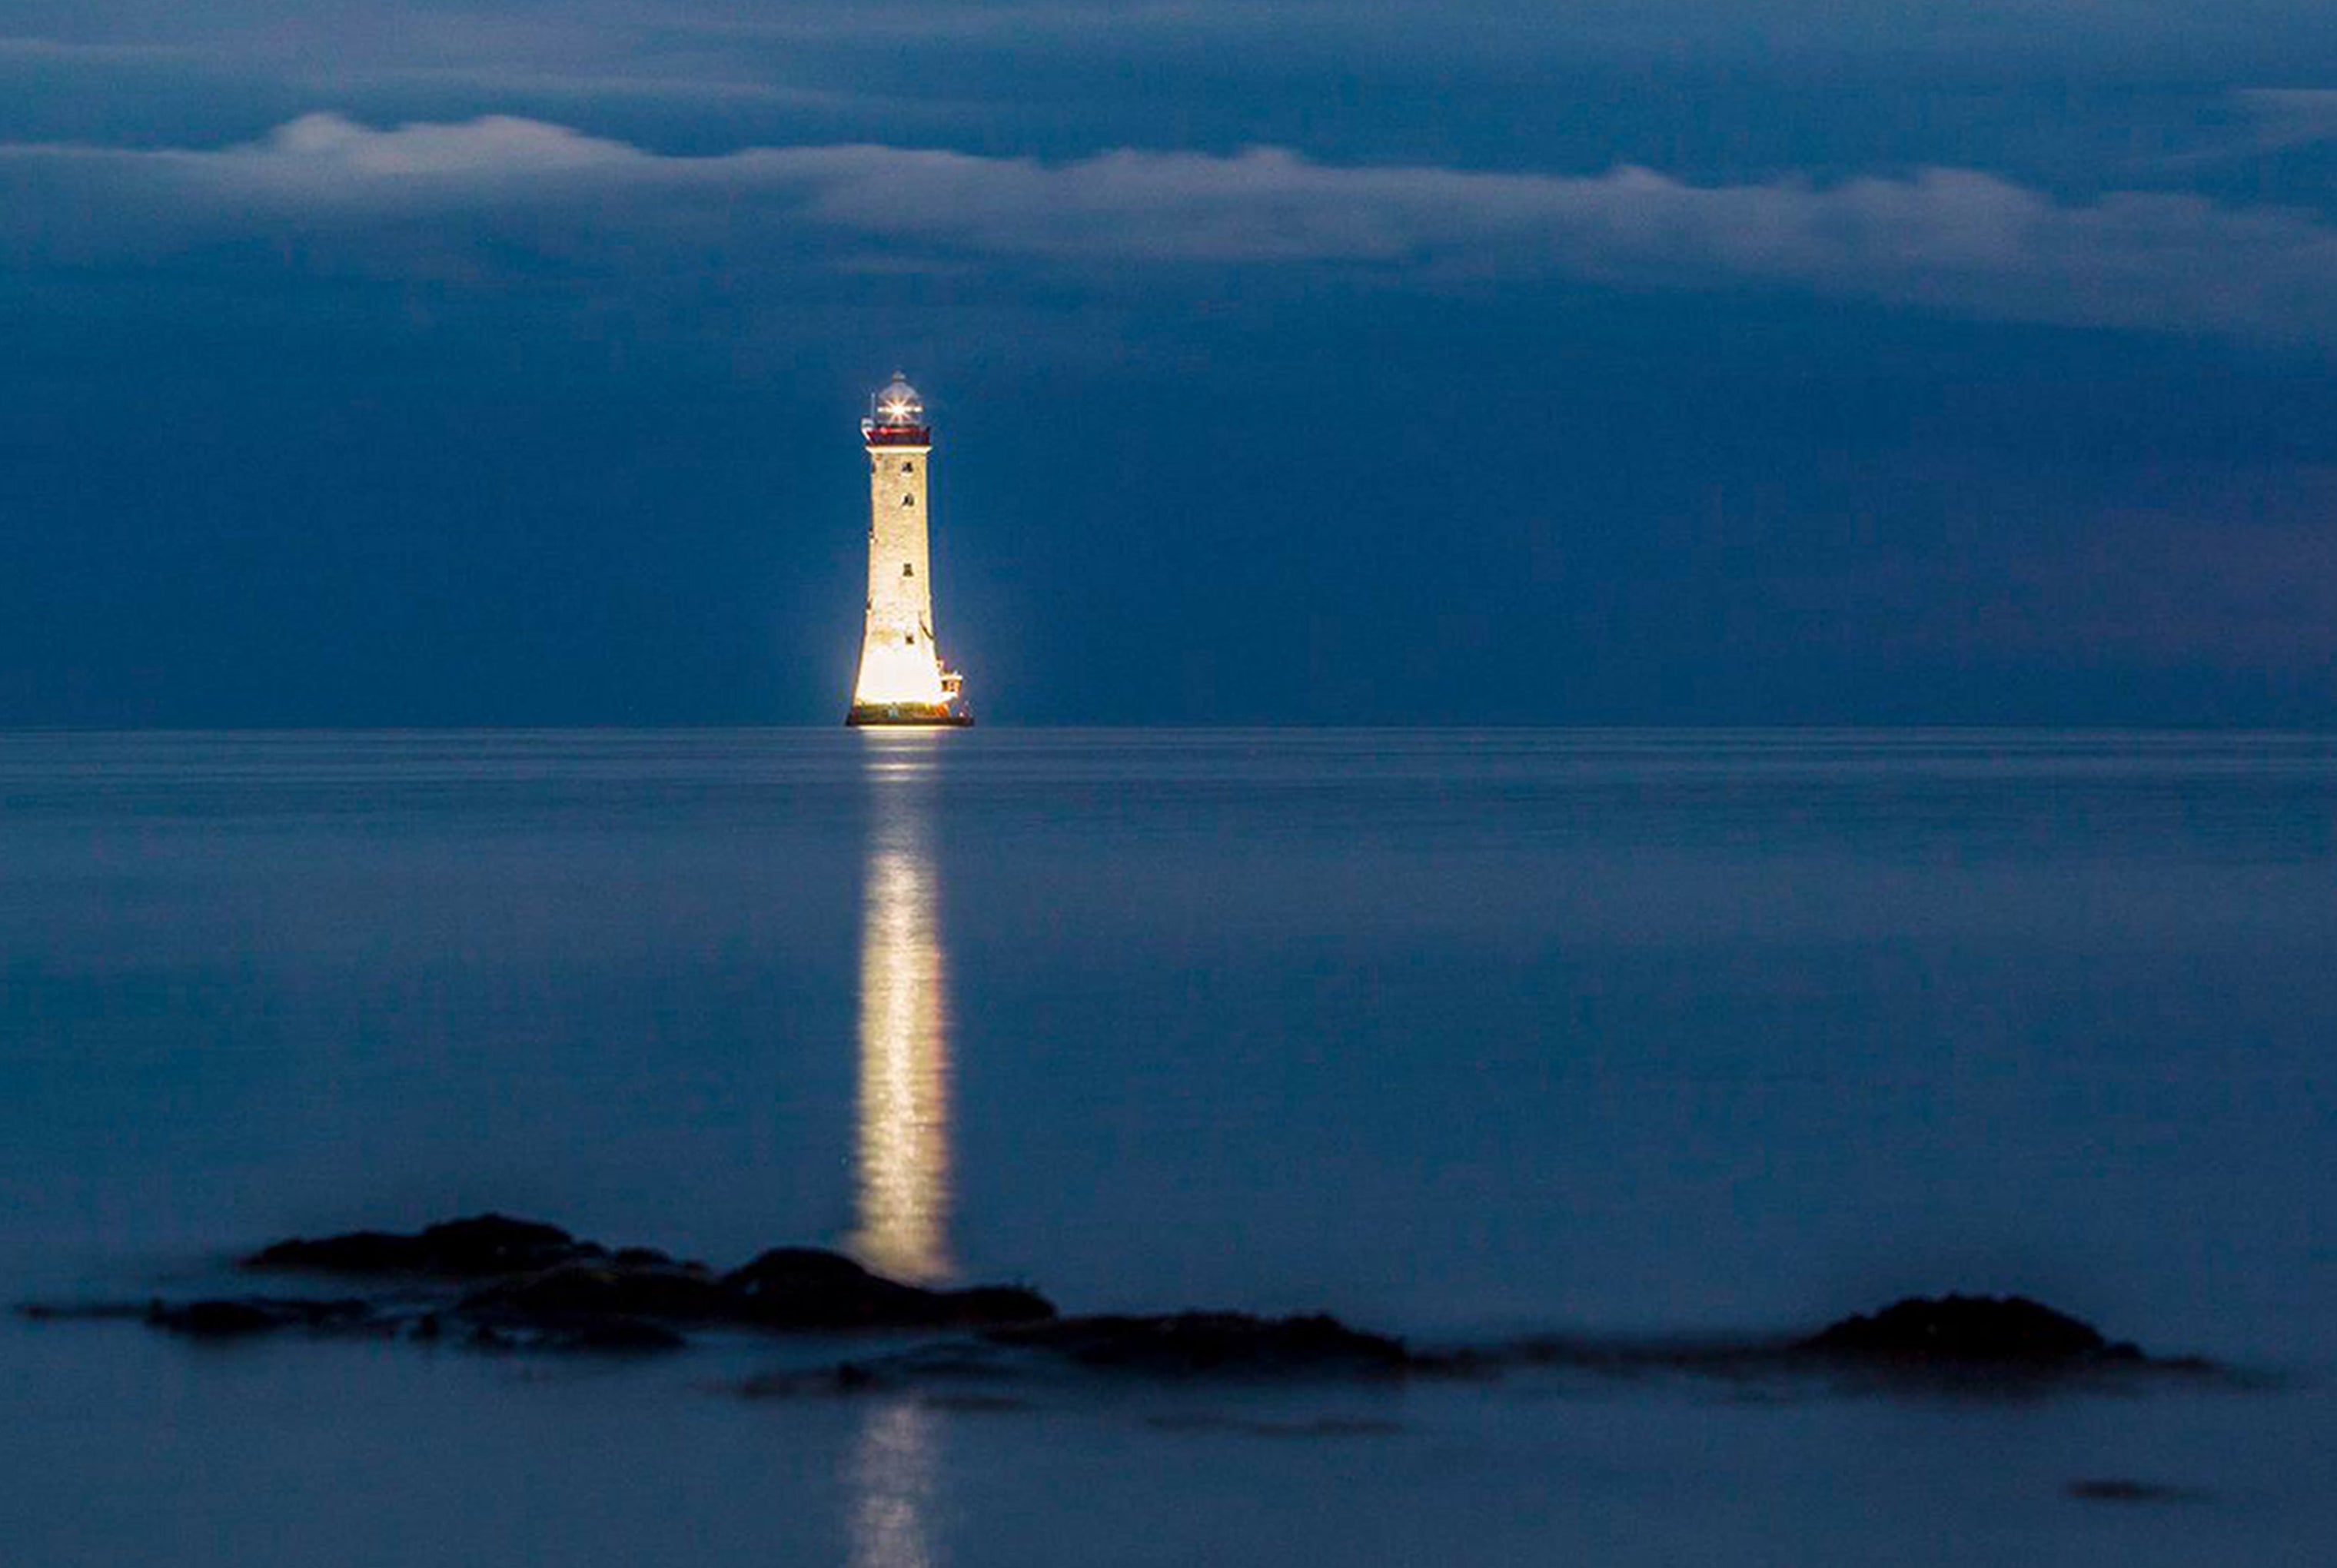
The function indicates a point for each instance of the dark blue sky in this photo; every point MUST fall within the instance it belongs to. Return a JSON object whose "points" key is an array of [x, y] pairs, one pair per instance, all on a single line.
{"points": [[1663, 362]]}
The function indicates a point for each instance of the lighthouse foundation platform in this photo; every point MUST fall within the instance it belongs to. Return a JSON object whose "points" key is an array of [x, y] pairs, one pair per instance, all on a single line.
{"points": [[906, 716]]}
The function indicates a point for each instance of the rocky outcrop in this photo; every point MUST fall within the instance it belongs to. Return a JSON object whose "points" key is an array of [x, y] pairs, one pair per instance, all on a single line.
{"points": [[1975, 1344], [471, 1248], [670, 1292], [497, 1283], [1975, 1331], [805, 1288]]}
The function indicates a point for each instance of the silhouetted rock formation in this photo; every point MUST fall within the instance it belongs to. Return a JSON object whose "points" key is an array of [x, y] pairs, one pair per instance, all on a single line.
{"points": [[469, 1248], [497, 1283], [526, 1285], [804, 1287], [531, 1273], [1973, 1344], [1982, 1332]]}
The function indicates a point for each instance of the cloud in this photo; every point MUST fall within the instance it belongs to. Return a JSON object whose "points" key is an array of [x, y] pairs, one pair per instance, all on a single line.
{"points": [[1958, 241], [323, 154]]}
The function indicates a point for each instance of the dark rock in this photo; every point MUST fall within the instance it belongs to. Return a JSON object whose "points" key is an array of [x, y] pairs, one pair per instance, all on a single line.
{"points": [[608, 1336], [215, 1320], [509, 1284], [805, 1288], [1627, 1357], [1966, 1346], [242, 1317], [2114, 1490], [601, 1289], [983, 1305], [1191, 1344], [476, 1248], [1968, 1331]]}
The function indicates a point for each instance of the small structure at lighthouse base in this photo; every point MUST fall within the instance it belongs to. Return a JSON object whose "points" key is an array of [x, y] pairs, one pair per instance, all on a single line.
{"points": [[902, 679]]}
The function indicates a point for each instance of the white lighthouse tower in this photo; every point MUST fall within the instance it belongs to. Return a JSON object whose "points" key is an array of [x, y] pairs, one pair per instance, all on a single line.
{"points": [[903, 680]]}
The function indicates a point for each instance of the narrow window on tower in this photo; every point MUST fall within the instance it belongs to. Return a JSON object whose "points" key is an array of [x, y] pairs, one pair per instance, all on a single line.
{"points": [[908, 500], [908, 468], [908, 570]]}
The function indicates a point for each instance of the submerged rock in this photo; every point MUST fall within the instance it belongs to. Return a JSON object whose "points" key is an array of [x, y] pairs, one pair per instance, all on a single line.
{"points": [[601, 1289], [2120, 1490], [1625, 1357], [476, 1248], [806, 1288], [1977, 1331], [1173, 1347], [597, 1336], [1202, 1344], [245, 1316]]}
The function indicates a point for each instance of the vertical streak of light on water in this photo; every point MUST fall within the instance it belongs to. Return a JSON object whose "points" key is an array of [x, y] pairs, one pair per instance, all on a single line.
{"points": [[893, 1479], [902, 1224]]}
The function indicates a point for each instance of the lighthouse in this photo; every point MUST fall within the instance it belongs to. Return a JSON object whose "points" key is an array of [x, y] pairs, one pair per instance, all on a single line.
{"points": [[903, 680]]}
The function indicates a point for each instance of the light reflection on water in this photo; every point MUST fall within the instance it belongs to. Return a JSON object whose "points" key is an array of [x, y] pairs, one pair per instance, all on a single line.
{"points": [[893, 1464], [902, 1225], [903, 1214]]}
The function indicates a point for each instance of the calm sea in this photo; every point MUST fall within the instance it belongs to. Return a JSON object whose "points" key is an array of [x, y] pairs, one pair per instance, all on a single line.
{"points": [[1455, 1032]]}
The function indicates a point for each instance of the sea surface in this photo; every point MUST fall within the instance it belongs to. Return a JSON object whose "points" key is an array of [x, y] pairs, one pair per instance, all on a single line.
{"points": [[1462, 1035]]}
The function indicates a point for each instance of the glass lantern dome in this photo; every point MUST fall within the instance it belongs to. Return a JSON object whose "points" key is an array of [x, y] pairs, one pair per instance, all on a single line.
{"points": [[898, 404]]}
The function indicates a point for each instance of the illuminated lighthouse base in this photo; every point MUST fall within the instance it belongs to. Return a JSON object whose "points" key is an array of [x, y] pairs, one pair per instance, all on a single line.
{"points": [[905, 684], [896, 686], [902, 680]]}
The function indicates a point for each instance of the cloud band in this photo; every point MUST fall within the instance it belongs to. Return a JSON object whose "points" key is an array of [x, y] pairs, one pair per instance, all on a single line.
{"points": [[1960, 241]]}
